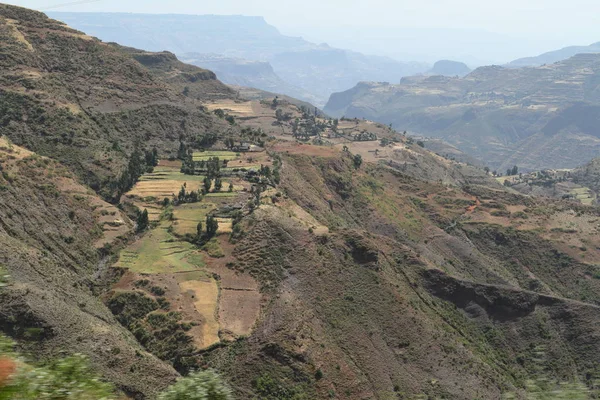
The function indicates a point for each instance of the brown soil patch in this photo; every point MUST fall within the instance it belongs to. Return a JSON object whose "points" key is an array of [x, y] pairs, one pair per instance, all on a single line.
{"points": [[307, 149], [238, 310], [7, 368]]}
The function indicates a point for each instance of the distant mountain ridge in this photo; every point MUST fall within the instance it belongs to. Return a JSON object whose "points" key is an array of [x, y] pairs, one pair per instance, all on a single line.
{"points": [[247, 73], [251, 38], [537, 118], [449, 68], [554, 56]]}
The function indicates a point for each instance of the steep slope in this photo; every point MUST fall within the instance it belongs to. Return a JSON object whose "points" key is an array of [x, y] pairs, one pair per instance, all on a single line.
{"points": [[536, 118], [51, 232], [414, 290], [87, 103], [249, 38], [554, 56], [347, 261]]}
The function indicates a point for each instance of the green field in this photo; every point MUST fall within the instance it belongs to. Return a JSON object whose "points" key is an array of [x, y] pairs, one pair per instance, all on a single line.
{"points": [[169, 173], [160, 252], [223, 155], [187, 217], [584, 195]]}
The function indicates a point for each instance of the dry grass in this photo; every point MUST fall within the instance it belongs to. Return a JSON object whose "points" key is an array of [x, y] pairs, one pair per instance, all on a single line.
{"points": [[17, 35], [238, 311], [205, 296]]}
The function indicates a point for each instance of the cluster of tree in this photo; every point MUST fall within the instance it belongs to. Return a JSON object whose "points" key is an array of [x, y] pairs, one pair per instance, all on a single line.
{"points": [[211, 167], [204, 235], [365, 137], [187, 197], [206, 140], [223, 115], [139, 163], [281, 116], [512, 171], [308, 127], [257, 192]]}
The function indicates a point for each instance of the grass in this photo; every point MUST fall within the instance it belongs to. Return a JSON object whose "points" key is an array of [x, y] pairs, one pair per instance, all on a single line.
{"points": [[206, 297], [584, 195], [222, 194], [187, 216], [164, 182], [213, 248], [223, 155], [159, 252]]}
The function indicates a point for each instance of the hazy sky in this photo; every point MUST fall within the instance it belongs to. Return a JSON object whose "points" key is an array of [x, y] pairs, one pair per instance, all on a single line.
{"points": [[484, 29]]}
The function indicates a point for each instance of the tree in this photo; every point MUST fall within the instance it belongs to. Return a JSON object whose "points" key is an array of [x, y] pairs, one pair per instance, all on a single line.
{"points": [[486, 169], [515, 170], [199, 230], [279, 115], [218, 185], [207, 184], [182, 152], [212, 226], [230, 187], [181, 195], [357, 161], [201, 385], [142, 221]]}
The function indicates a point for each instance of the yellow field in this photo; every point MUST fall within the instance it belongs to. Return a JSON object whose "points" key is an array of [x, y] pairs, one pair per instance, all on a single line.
{"points": [[222, 155], [205, 298], [237, 109]]}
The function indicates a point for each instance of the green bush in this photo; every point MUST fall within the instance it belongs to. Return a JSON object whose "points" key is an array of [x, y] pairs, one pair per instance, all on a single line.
{"points": [[69, 378], [202, 385]]}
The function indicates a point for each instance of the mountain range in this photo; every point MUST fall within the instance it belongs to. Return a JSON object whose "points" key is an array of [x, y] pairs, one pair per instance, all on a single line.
{"points": [[541, 117], [554, 56], [241, 40], [158, 222]]}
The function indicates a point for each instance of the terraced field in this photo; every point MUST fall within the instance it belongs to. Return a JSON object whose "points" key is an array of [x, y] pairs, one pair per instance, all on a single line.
{"points": [[187, 216], [186, 274], [165, 182], [159, 252], [222, 155], [584, 195]]}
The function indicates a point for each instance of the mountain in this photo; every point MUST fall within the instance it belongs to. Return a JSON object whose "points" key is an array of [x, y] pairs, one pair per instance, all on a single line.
{"points": [[156, 222], [250, 74], [554, 56], [327, 70], [247, 38], [449, 68], [537, 118]]}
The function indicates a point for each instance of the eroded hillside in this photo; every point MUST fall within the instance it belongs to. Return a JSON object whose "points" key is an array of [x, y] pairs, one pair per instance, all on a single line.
{"points": [[300, 256]]}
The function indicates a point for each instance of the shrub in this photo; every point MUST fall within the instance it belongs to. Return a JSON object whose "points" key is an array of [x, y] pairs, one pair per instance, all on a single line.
{"points": [[67, 378], [202, 385]]}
